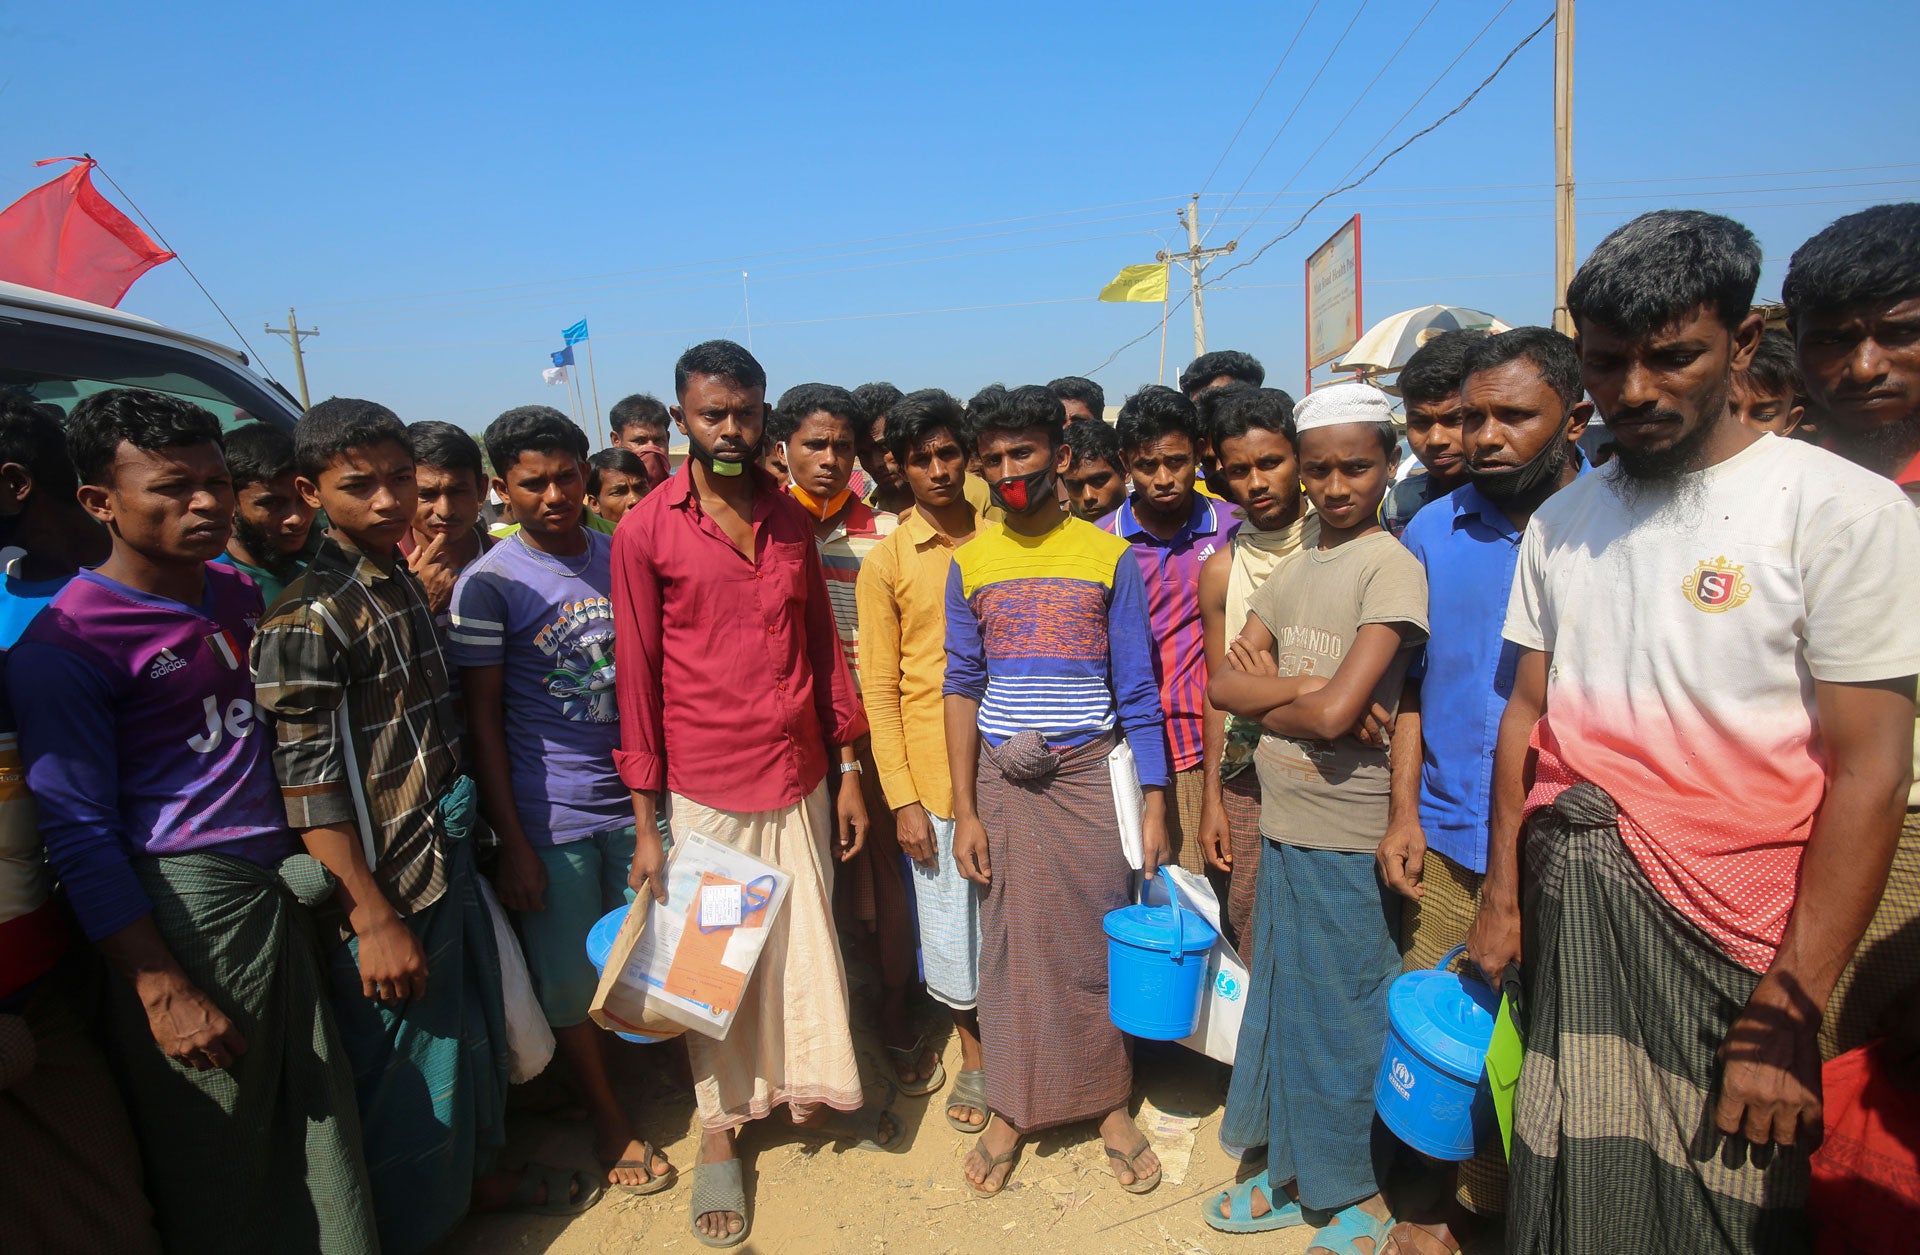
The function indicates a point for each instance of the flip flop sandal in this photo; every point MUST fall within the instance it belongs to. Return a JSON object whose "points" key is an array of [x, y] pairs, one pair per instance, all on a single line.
{"points": [[969, 1090], [1141, 1185], [653, 1184], [862, 1128], [911, 1055], [561, 1184], [717, 1188], [1350, 1226], [993, 1162], [1240, 1217], [1407, 1238]]}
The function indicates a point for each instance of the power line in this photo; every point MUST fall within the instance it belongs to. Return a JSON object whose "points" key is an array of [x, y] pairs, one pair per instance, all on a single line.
{"points": [[1280, 65]]}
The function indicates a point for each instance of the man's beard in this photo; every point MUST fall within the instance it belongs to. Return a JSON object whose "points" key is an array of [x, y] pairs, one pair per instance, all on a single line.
{"points": [[1885, 449], [267, 555]]}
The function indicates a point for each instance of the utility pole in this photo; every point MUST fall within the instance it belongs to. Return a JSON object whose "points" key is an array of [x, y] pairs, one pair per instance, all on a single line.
{"points": [[294, 333], [1195, 259], [1562, 162]]}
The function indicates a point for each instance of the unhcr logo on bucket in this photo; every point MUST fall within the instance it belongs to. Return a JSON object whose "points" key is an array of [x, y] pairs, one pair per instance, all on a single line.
{"points": [[1401, 1078], [1226, 987]]}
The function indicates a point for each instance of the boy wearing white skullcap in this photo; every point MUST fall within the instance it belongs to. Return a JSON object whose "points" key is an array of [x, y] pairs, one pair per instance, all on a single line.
{"points": [[1320, 663]]}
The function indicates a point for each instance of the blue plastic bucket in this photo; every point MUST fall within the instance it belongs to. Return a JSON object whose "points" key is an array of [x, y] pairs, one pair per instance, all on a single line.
{"points": [[1157, 968], [599, 943], [1432, 1090]]}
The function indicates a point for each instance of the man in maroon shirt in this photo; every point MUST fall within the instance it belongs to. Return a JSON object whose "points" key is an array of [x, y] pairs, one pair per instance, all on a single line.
{"points": [[734, 695]]}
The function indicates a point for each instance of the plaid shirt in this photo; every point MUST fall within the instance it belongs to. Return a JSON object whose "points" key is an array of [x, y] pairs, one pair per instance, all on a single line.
{"points": [[349, 667]]}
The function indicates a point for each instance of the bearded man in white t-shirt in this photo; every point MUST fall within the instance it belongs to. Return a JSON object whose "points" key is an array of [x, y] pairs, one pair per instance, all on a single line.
{"points": [[1708, 746]]}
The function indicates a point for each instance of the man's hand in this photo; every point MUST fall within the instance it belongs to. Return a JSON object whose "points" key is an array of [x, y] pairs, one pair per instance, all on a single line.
{"points": [[1770, 1068], [1402, 857], [1155, 849], [187, 1025], [1216, 842], [1375, 729], [1494, 940], [970, 850], [433, 567], [1242, 657], [647, 873], [915, 833], [393, 967], [521, 878], [850, 813]]}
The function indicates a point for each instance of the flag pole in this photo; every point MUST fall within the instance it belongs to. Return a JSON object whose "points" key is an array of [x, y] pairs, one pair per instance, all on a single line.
{"points": [[580, 402], [596, 390], [1160, 375]]}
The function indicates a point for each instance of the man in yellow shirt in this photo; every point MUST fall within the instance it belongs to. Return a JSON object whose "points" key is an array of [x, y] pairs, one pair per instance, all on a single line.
{"points": [[901, 594]]}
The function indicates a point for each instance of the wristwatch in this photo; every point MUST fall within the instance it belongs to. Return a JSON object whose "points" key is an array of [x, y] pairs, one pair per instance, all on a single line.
{"points": [[850, 768]]}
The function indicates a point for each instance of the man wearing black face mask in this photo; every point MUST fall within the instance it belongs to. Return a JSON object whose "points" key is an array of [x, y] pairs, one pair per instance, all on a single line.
{"points": [[1520, 396]]}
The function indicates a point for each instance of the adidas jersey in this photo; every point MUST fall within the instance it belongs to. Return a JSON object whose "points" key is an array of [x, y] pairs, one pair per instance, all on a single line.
{"points": [[140, 735]]}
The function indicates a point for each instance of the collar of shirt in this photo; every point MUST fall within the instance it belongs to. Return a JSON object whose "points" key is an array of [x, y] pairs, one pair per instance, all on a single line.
{"points": [[920, 530], [858, 519], [1470, 503], [338, 555], [1201, 519], [1910, 476]]}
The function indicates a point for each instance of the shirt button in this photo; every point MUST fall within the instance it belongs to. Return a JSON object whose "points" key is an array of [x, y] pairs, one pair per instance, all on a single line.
{"points": [[782, 686], [772, 628]]}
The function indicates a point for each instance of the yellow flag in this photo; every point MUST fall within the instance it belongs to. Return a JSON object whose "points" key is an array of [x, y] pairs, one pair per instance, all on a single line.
{"points": [[1138, 283]]}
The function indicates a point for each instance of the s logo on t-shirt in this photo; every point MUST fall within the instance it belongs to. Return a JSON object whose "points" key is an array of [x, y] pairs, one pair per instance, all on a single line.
{"points": [[1717, 586]]}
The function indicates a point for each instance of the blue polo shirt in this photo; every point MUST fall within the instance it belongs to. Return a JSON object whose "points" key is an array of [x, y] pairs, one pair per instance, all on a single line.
{"points": [[1465, 669]]}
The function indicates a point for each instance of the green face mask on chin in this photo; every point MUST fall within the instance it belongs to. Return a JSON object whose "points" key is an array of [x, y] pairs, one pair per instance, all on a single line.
{"points": [[729, 469]]}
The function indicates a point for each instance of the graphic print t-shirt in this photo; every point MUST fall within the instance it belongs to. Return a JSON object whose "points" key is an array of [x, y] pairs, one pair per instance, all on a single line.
{"points": [[547, 621], [1332, 795]]}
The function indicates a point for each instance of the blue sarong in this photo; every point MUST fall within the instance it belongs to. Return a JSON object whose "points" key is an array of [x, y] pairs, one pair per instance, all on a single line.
{"points": [[431, 1073], [1324, 952]]}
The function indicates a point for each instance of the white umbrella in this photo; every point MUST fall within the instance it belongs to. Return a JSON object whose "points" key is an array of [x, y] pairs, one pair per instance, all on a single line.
{"points": [[1391, 341]]}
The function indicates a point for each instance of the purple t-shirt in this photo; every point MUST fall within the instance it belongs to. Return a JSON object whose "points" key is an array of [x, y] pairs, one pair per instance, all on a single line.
{"points": [[548, 623], [140, 736]]}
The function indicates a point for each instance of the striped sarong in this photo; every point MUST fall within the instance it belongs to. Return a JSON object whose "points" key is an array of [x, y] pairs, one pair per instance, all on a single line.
{"points": [[431, 1072], [1887, 959], [262, 1155], [1052, 1054], [1614, 1146], [1430, 926], [1241, 794], [1315, 1024]]}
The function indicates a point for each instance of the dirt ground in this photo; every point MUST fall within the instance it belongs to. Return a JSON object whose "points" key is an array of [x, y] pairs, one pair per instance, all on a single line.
{"points": [[811, 1195]]}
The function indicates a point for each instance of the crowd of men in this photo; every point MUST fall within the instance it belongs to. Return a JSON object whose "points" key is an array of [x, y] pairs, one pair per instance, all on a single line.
{"points": [[1639, 736]]}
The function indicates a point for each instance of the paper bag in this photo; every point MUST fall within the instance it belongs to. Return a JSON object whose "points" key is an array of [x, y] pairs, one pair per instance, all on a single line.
{"points": [[621, 1007]]}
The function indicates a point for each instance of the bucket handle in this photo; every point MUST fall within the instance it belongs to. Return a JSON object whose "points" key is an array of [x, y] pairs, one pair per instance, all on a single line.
{"points": [[1446, 961], [1179, 916]]}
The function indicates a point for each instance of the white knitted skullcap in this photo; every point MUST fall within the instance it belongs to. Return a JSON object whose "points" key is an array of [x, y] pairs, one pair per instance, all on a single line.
{"points": [[1339, 403]]}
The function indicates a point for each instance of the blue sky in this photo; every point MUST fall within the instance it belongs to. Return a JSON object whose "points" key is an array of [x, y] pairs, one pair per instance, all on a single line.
{"points": [[926, 194]]}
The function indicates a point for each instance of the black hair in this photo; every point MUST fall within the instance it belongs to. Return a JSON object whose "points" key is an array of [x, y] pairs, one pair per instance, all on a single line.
{"points": [[1437, 367], [446, 448], [1873, 255], [1095, 442], [1237, 409], [722, 359], [258, 453], [918, 415], [1775, 370], [876, 401], [338, 424], [1664, 265], [626, 461], [1551, 353], [1157, 411], [1085, 391], [143, 419], [1238, 366], [539, 428], [34, 438], [638, 408], [999, 408], [804, 400]]}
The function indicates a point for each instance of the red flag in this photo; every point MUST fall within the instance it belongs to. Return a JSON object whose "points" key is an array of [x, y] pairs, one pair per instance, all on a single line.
{"points": [[66, 237]]}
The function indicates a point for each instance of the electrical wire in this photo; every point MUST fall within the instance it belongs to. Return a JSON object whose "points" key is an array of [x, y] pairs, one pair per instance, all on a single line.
{"points": [[1268, 86]]}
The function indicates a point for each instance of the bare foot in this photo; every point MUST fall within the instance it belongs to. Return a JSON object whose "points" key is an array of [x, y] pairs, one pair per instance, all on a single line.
{"points": [[982, 1172], [493, 1191], [1121, 1134], [718, 1148], [885, 1135], [1408, 1238]]}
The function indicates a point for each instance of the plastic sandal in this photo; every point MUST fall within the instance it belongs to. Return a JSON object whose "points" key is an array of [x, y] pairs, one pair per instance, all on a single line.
{"points": [[1407, 1238], [653, 1184], [561, 1184], [993, 1162], [911, 1056], [1141, 1185], [1350, 1226], [1240, 1217], [969, 1090], [716, 1187], [862, 1128]]}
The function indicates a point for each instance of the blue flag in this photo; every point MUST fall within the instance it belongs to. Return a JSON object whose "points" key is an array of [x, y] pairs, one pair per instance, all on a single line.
{"points": [[575, 334], [565, 356]]}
